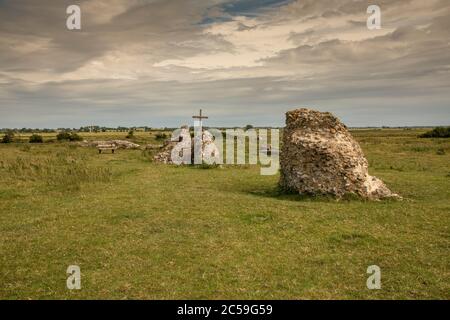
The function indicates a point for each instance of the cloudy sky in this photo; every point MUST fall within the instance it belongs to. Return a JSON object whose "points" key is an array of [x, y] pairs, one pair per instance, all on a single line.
{"points": [[156, 62]]}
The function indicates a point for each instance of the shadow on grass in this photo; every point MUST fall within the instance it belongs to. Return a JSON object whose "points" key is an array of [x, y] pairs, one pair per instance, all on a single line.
{"points": [[204, 166], [285, 195]]}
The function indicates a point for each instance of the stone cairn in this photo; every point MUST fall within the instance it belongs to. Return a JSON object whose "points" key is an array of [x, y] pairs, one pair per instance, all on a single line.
{"points": [[165, 153], [320, 157], [209, 149]]}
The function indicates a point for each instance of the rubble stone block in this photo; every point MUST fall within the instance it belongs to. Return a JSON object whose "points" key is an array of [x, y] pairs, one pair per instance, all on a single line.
{"points": [[319, 156]]}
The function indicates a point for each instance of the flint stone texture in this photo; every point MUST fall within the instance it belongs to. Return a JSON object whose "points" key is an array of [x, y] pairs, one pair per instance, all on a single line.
{"points": [[320, 157], [210, 153], [122, 144], [185, 143]]}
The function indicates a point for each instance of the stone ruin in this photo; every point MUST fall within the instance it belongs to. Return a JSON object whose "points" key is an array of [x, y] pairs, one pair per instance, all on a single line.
{"points": [[121, 144], [184, 142], [320, 157], [165, 153]]}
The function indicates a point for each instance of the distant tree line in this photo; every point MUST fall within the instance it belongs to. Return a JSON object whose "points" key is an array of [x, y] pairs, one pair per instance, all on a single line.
{"points": [[95, 128], [81, 129], [27, 130], [10, 137]]}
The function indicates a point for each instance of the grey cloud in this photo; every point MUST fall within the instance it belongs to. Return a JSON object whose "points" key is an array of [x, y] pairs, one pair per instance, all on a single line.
{"points": [[406, 52], [155, 25], [398, 78]]}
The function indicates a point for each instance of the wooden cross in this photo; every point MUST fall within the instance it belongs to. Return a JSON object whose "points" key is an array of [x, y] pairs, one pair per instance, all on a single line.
{"points": [[200, 117]]}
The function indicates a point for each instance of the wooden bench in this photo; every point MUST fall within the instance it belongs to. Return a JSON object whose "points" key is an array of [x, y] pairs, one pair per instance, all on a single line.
{"points": [[102, 147]]}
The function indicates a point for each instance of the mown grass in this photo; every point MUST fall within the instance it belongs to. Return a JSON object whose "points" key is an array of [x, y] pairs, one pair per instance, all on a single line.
{"points": [[141, 230]]}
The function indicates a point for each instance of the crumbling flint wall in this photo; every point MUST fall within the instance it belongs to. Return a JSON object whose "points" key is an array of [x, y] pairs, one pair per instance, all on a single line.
{"points": [[122, 144], [320, 157], [165, 154], [209, 149]]}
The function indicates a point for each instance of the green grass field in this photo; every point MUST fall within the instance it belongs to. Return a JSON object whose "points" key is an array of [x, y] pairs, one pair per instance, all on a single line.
{"points": [[141, 230]]}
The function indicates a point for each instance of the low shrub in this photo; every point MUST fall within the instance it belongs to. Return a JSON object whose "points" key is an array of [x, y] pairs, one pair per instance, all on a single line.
{"points": [[130, 134], [70, 136], [439, 132], [8, 137], [63, 136], [36, 138], [161, 136], [75, 137]]}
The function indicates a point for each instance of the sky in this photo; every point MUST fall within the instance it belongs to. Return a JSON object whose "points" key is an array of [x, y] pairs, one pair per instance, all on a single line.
{"points": [[156, 62]]}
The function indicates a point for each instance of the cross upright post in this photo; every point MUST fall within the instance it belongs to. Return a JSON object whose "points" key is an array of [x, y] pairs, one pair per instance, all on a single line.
{"points": [[200, 117], [198, 137]]}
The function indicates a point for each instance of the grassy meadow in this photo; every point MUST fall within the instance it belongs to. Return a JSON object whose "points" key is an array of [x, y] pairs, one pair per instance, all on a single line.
{"points": [[141, 230]]}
